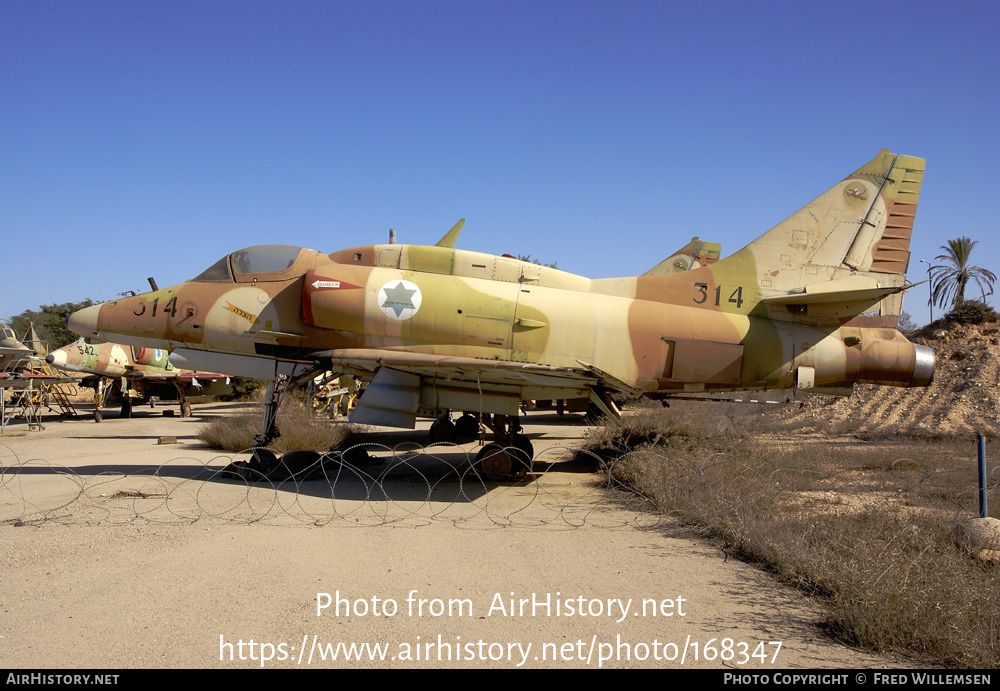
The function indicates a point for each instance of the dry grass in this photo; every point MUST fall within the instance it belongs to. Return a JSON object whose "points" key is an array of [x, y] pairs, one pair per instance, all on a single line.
{"points": [[865, 525], [300, 430]]}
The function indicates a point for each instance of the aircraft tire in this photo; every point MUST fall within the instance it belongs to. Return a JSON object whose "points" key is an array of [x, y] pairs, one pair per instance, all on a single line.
{"points": [[524, 446], [467, 427], [497, 463], [298, 465], [443, 430], [98, 415], [186, 410], [494, 463], [262, 462], [346, 404]]}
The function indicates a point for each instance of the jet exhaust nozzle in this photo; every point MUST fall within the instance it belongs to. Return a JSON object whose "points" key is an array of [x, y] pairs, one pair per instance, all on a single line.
{"points": [[896, 363]]}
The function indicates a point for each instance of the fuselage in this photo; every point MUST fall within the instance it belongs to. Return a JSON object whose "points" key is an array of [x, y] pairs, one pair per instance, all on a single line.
{"points": [[692, 331], [13, 353], [110, 359]]}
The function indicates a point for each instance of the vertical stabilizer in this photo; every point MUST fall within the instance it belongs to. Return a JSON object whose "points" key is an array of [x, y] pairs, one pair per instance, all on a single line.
{"points": [[853, 237], [900, 190]]}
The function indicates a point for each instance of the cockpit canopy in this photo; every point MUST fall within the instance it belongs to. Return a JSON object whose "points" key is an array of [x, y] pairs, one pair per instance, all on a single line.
{"points": [[260, 262]]}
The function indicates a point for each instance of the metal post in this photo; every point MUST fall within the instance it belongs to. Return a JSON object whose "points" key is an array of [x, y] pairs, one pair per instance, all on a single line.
{"points": [[930, 291], [983, 512]]}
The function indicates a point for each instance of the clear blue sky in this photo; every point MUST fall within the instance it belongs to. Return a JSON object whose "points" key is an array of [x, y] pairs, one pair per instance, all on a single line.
{"points": [[151, 138]]}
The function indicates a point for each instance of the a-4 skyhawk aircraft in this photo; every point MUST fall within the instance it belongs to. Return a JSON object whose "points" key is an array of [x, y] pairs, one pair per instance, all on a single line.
{"points": [[810, 304], [141, 374], [13, 353]]}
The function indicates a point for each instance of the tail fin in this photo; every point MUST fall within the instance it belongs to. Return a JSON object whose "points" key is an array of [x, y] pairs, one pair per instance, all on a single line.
{"points": [[449, 238], [852, 239], [889, 252]]}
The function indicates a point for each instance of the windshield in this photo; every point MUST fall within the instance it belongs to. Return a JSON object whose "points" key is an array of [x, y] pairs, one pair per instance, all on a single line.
{"points": [[219, 271], [263, 259], [259, 259]]}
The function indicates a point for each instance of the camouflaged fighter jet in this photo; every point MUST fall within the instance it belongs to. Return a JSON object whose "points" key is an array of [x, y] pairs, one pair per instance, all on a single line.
{"points": [[13, 353], [33, 386], [810, 304], [20, 366], [141, 374], [16, 362]]}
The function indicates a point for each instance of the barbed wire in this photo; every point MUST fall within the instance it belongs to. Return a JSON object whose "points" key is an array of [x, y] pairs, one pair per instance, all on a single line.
{"points": [[373, 484], [409, 485]]}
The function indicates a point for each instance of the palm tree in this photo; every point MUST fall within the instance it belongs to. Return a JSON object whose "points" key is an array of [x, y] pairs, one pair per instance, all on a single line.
{"points": [[948, 280]]}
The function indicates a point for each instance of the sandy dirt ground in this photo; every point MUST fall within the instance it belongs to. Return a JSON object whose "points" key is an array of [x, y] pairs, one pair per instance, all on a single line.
{"points": [[119, 552], [963, 398]]}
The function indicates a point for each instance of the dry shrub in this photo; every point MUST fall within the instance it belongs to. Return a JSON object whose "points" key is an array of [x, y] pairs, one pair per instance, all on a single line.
{"points": [[300, 430], [901, 585], [866, 527], [643, 427], [650, 426]]}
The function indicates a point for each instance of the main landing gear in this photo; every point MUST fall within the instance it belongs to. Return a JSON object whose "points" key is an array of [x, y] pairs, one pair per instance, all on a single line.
{"points": [[507, 457]]}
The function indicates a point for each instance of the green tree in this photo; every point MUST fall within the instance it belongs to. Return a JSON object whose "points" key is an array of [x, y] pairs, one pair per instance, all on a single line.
{"points": [[948, 280], [906, 323], [528, 258]]}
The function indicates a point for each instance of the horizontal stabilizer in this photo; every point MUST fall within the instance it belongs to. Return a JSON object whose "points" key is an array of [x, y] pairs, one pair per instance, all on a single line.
{"points": [[832, 297]]}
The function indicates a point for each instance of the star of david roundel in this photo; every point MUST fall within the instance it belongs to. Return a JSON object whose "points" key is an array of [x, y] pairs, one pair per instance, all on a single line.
{"points": [[399, 299]]}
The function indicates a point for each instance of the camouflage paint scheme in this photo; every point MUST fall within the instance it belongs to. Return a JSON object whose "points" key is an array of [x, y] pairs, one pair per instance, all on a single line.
{"points": [[143, 372], [20, 365], [13, 353], [111, 360], [812, 304]]}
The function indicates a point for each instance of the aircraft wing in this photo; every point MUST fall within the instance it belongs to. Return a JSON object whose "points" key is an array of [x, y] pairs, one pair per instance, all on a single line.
{"points": [[173, 375], [405, 385], [445, 367]]}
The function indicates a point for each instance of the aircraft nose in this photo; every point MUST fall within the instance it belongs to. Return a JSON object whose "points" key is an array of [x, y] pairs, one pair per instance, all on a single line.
{"points": [[56, 357], [84, 322]]}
